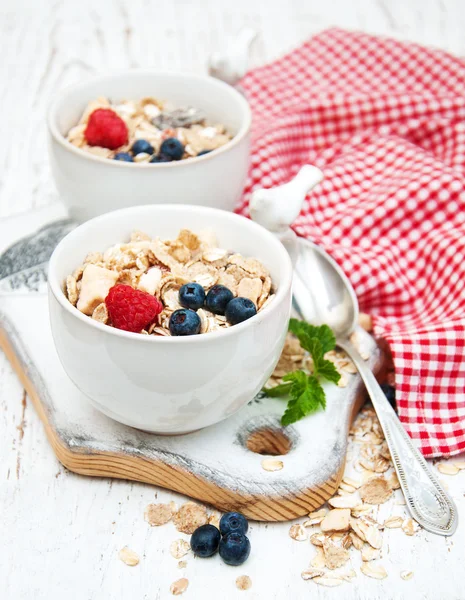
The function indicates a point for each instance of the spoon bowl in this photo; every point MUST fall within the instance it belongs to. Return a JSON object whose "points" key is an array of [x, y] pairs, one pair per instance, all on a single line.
{"points": [[322, 291]]}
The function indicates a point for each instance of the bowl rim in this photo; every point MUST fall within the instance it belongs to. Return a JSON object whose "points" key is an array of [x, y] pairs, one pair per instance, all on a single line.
{"points": [[58, 137], [56, 288]]}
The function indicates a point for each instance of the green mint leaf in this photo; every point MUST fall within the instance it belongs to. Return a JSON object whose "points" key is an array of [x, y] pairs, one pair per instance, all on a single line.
{"points": [[307, 396], [278, 391], [327, 370], [322, 333]]}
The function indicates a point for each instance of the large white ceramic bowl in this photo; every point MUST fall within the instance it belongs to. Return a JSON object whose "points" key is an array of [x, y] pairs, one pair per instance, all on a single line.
{"points": [[91, 185], [169, 385]]}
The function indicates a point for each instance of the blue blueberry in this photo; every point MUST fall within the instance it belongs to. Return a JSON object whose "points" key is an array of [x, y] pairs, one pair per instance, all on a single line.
{"points": [[202, 152], [217, 299], [390, 393], [205, 541], [192, 295], [240, 309], [123, 156], [184, 322], [160, 158], [173, 148], [234, 548], [142, 146], [233, 521]]}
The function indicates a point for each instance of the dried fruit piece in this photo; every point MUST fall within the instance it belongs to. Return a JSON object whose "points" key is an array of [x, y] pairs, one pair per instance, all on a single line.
{"points": [[129, 557], [375, 491], [189, 517], [179, 548], [272, 464], [179, 587], [373, 570], [243, 582], [336, 520]]}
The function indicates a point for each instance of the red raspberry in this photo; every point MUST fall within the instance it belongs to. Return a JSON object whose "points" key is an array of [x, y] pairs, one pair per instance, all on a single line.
{"points": [[130, 309], [106, 129]]}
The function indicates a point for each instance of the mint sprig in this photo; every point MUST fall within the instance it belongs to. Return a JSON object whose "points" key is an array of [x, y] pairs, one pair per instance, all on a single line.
{"points": [[305, 392]]}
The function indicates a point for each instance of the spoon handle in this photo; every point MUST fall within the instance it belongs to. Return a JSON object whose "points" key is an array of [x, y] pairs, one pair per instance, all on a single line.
{"points": [[427, 501]]}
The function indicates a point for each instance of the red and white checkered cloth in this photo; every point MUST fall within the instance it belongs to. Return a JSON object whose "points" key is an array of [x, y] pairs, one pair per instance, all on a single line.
{"points": [[385, 121]]}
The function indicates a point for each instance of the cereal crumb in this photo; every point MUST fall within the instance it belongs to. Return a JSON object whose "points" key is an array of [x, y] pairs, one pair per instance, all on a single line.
{"points": [[129, 557], [406, 575], [410, 527], [272, 464], [214, 519], [189, 517], [182, 564], [158, 514], [179, 587], [335, 557], [243, 582], [375, 491], [298, 533], [179, 548]]}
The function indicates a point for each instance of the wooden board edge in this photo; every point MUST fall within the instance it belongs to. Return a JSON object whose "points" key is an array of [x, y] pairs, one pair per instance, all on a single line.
{"points": [[120, 466]]}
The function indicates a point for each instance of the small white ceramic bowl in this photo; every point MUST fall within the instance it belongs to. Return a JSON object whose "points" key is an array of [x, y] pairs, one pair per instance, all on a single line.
{"points": [[169, 385], [91, 185]]}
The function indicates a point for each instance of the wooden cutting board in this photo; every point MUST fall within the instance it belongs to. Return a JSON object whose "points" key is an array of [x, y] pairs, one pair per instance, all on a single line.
{"points": [[220, 465]]}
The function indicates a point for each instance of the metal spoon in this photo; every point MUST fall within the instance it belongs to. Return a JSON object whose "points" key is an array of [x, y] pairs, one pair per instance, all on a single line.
{"points": [[329, 298]]}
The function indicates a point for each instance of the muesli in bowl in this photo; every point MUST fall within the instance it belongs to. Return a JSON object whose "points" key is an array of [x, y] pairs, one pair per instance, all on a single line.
{"points": [[171, 287], [147, 130]]}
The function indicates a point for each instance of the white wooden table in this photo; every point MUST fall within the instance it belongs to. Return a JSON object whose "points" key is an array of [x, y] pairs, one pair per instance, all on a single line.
{"points": [[59, 532]]}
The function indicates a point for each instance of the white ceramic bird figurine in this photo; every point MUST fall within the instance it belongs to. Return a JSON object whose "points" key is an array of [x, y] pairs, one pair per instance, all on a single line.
{"points": [[232, 64], [277, 208]]}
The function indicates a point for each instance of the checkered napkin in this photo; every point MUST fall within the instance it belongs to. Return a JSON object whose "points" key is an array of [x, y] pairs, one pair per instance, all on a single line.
{"points": [[385, 121]]}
